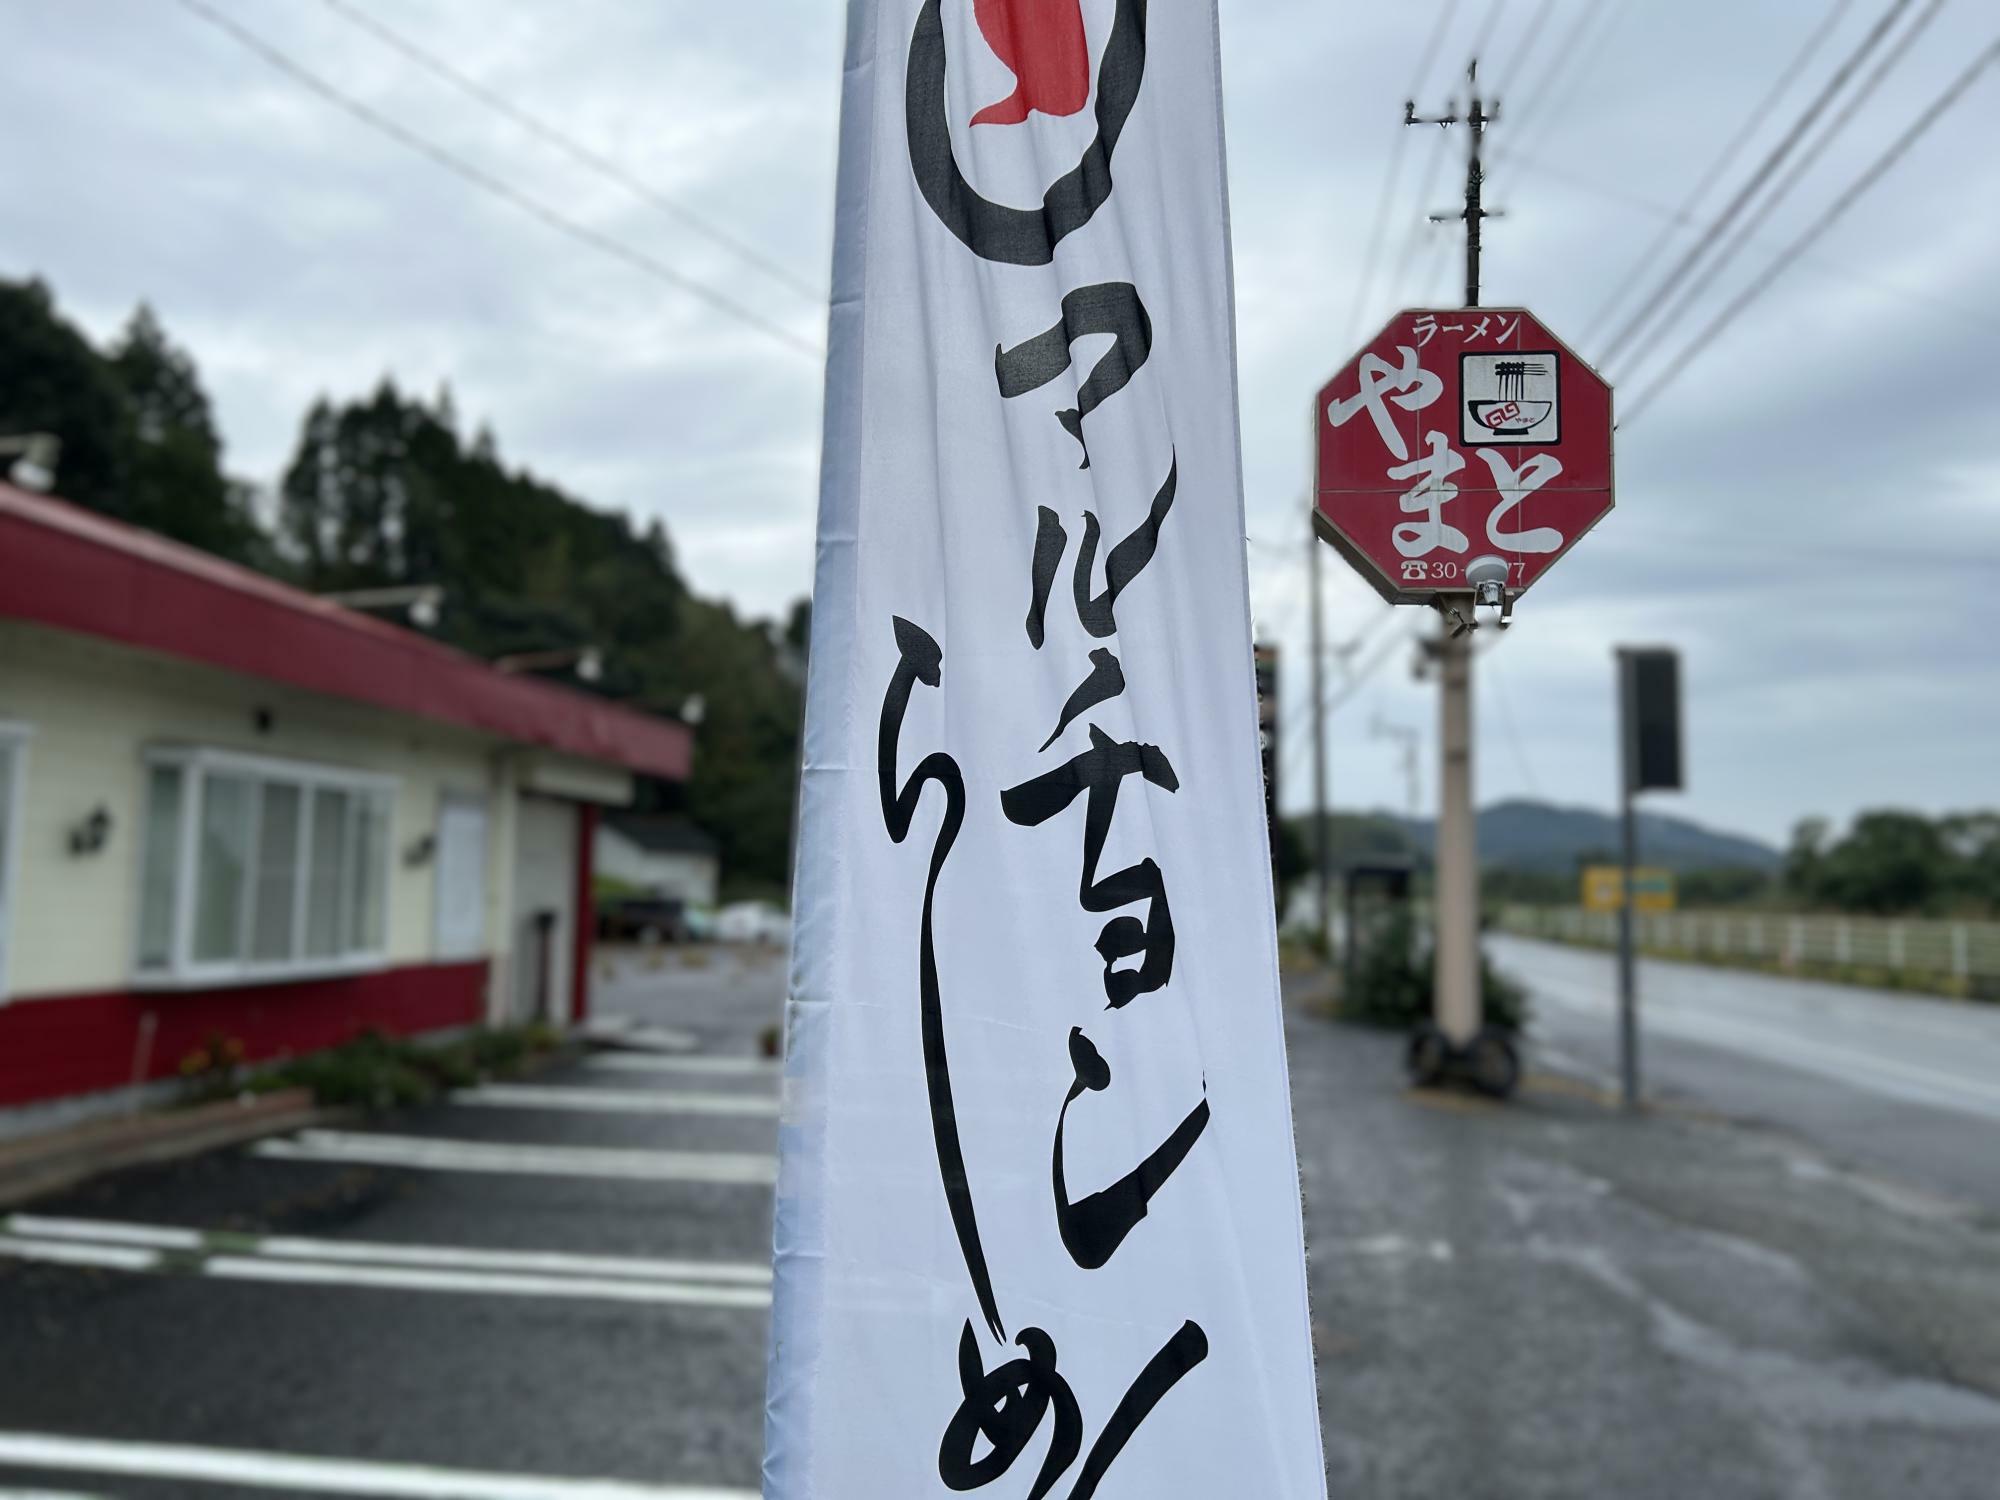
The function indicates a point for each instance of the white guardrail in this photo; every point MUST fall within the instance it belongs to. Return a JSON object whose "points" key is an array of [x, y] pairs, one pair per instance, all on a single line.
{"points": [[1967, 951]]}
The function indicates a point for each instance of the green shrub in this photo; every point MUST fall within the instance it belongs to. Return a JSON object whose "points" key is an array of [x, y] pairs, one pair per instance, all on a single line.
{"points": [[1392, 990], [382, 1072]]}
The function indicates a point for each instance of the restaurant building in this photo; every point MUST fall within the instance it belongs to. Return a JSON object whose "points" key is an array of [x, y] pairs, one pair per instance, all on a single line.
{"points": [[232, 811]]}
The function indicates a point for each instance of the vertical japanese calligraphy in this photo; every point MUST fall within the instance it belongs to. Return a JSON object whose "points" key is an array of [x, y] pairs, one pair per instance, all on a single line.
{"points": [[1038, 1221], [921, 661]]}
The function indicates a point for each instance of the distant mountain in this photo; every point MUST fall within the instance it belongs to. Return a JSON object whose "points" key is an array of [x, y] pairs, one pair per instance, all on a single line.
{"points": [[1542, 838]]}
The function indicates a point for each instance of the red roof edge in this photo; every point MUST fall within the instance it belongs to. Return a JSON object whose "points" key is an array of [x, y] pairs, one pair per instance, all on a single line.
{"points": [[71, 569]]}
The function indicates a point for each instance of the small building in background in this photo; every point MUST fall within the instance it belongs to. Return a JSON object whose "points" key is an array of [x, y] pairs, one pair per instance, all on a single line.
{"points": [[230, 810], [659, 856]]}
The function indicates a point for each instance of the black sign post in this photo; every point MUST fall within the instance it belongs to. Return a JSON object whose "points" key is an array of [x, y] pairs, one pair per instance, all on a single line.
{"points": [[1649, 721]]}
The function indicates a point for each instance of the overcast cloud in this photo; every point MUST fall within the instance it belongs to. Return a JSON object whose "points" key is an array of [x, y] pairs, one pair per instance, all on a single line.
{"points": [[1811, 511]]}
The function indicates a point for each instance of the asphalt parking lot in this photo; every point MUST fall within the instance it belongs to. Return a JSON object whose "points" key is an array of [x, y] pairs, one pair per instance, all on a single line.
{"points": [[524, 1292], [558, 1290]]}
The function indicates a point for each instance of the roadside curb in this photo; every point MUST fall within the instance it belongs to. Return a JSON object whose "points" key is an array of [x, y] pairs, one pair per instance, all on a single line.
{"points": [[33, 1166]]}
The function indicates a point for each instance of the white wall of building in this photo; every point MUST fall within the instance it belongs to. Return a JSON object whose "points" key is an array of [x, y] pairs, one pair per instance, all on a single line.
{"points": [[93, 708]]}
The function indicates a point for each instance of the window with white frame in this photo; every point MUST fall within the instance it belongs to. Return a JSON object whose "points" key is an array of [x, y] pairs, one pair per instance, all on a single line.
{"points": [[13, 752], [259, 868]]}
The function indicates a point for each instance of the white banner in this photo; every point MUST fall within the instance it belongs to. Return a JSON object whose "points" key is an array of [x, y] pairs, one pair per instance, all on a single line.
{"points": [[1038, 1222]]}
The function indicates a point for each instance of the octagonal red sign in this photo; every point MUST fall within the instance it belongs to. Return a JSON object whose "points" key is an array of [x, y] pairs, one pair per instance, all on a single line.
{"points": [[1458, 435]]}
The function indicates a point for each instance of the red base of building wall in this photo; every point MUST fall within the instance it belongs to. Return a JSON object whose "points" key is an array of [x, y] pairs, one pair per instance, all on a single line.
{"points": [[82, 1044]]}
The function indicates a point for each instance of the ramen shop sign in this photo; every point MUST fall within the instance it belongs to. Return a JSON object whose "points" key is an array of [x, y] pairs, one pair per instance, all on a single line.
{"points": [[1456, 435]]}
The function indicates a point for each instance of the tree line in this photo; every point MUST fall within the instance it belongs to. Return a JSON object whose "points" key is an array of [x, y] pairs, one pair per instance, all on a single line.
{"points": [[1886, 862], [387, 490]]}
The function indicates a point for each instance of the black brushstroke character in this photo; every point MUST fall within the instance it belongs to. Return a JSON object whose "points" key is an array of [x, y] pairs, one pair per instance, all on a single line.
{"points": [[1093, 1228], [1106, 681], [1125, 562], [1007, 1406], [1111, 307], [920, 660], [998, 231], [1099, 771]]}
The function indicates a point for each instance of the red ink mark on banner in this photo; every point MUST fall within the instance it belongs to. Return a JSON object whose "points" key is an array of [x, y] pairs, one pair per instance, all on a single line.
{"points": [[1042, 44]]}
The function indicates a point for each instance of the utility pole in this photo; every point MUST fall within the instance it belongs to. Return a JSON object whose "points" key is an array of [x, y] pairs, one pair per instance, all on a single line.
{"points": [[1322, 836], [1456, 892]]}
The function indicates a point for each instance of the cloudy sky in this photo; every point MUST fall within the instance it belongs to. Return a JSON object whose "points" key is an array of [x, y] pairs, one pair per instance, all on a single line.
{"points": [[1810, 509]]}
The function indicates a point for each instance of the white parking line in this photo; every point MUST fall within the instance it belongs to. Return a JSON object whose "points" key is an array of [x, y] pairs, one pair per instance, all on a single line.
{"points": [[97, 1257], [614, 1101], [425, 1153], [638, 1062], [484, 1283], [659, 1291], [376, 1252], [326, 1476]]}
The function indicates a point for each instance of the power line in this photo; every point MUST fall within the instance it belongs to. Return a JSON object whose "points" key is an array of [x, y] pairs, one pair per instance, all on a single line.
{"points": [[1679, 218], [1359, 680], [1721, 164], [1537, 28], [1406, 258], [1389, 177], [1485, 33], [1772, 161], [496, 186], [1587, 16], [568, 144], [1585, 54], [1514, 740], [1834, 211], [1433, 47], [1763, 211]]}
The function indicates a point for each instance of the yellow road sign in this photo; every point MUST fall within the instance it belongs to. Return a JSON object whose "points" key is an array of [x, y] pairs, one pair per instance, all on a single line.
{"points": [[1604, 888]]}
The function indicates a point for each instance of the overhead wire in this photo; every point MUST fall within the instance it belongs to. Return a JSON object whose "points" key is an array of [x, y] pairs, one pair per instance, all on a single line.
{"points": [[1491, 675], [1772, 161], [1585, 56], [568, 144], [1721, 260], [1538, 27], [1391, 174], [1723, 161], [1874, 173], [1672, 215], [1407, 257], [1483, 38], [496, 186], [1533, 100]]}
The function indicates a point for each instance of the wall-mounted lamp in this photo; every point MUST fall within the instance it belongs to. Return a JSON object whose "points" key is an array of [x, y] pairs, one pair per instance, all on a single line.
{"points": [[92, 833], [420, 850]]}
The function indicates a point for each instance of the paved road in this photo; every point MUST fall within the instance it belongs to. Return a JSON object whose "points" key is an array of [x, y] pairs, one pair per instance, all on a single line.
{"points": [[506, 1295], [1552, 1301], [1891, 1083], [557, 1291]]}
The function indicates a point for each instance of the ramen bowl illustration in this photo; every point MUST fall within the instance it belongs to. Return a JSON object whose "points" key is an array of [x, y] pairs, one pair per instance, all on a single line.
{"points": [[1511, 417]]}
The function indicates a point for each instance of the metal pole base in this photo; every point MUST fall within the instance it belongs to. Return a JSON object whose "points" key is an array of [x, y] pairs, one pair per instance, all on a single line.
{"points": [[1488, 1064]]}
